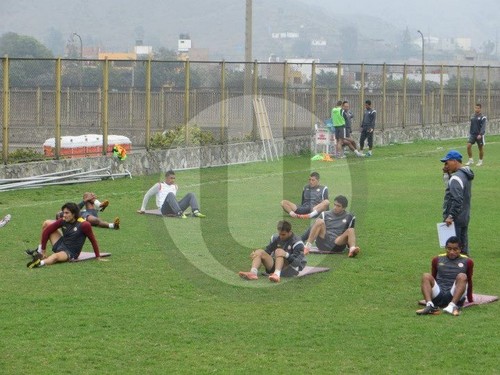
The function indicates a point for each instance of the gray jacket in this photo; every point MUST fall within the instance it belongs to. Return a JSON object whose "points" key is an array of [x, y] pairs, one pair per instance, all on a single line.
{"points": [[457, 196]]}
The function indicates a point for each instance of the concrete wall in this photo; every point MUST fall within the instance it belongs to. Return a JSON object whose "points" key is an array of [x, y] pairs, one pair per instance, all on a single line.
{"points": [[138, 163]]}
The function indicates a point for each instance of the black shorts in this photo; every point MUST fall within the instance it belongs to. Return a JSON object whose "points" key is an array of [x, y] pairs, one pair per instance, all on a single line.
{"points": [[340, 132], [59, 246], [304, 209], [444, 298], [328, 244], [473, 139]]}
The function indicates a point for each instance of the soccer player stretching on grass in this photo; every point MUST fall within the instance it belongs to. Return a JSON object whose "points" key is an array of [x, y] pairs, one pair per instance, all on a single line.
{"points": [[314, 200], [285, 250], [334, 230], [67, 236], [166, 201], [449, 282]]}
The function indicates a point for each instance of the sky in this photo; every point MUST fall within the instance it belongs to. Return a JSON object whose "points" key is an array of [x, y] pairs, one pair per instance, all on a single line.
{"points": [[479, 20]]}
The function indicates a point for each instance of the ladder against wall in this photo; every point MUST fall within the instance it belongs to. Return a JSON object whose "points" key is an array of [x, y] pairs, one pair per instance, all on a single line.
{"points": [[266, 135]]}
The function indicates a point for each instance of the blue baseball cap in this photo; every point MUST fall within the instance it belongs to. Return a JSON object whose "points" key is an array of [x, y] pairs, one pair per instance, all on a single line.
{"points": [[452, 155]]}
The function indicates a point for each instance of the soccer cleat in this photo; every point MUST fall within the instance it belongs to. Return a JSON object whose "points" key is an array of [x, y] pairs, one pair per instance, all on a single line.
{"points": [[31, 253], [369, 153], [248, 275], [116, 223], [479, 163], [304, 216], [198, 214], [452, 309], [5, 220], [470, 162], [353, 251], [182, 216], [429, 310], [274, 278], [104, 204], [34, 263]]}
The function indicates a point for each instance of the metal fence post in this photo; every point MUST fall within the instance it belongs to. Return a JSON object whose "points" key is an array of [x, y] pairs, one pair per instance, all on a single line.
{"points": [[148, 103], [285, 98], [186, 99], [6, 106], [222, 100], [105, 106], [441, 95], [313, 94], [58, 108], [384, 97]]}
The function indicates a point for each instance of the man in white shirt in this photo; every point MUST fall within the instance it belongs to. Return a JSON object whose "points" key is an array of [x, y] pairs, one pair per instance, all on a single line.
{"points": [[166, 199]]}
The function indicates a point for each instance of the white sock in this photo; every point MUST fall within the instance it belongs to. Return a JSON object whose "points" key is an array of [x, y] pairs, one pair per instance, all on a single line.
{"points": [[313, 213], [111, 225], [255, 271], [452, 304], [39, 250], [97, 204], [42, 263], [429, 303], [277, 272]]}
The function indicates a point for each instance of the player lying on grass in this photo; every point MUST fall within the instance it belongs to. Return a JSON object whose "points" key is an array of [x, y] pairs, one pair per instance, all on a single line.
{"points": [[285, 250], [89, 210], [67, 236]]}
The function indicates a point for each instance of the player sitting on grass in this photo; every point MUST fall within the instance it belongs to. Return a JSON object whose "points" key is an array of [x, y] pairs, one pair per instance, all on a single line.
{"points": [[314, 200], [449, 282], [67, 235], [333, 230], [286, 250]]}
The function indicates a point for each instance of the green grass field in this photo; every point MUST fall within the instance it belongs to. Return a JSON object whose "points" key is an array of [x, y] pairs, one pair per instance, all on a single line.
{"points": [[169, 300]]}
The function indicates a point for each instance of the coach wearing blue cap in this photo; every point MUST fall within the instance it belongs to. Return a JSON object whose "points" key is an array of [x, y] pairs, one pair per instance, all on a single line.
{"points": [[456, 206]]}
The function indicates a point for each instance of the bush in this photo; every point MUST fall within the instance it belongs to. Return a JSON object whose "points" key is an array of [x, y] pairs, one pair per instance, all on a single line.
{"points": [[25, 155], [176, 137]]}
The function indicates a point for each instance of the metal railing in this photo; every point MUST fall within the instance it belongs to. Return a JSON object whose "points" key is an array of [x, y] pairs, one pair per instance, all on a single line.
{"points": [[52, 98]]}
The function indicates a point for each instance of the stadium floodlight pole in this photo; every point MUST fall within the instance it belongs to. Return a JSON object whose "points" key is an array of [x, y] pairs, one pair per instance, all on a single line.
{"points": [[423, 78]]}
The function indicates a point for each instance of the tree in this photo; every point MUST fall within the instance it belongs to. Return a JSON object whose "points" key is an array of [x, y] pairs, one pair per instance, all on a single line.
{"points": [[15, 45], [24, 71]]}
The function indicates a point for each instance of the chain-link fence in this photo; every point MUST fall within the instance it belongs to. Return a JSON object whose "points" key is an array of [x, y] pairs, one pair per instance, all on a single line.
{"points": [[161, 104]]}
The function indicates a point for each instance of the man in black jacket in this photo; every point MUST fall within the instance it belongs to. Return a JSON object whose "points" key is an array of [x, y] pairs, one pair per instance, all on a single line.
{"points": [[457, 197]]}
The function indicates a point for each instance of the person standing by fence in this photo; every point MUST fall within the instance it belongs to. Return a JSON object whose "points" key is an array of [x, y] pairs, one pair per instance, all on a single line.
{"points": [[476, 135], [367, 127]]}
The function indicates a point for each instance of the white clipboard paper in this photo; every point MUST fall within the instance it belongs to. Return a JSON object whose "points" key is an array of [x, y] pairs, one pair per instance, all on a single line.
{"points": [[445, 232]]}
